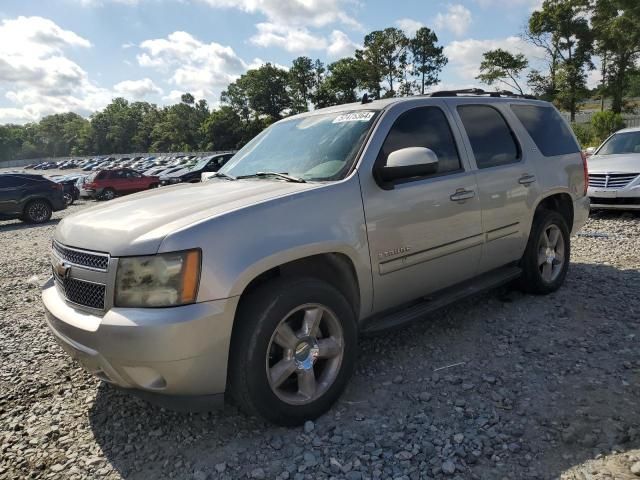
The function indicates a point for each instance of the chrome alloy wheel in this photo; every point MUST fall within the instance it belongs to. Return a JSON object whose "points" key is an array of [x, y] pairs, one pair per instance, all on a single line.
{"points": [[551, 253], [305, 354]]}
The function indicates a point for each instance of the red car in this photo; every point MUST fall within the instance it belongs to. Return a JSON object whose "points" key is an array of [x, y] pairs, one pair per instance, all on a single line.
{"points": [[106, 184]]}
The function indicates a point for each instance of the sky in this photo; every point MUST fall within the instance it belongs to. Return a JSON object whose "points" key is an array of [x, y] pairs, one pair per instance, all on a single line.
{"points": [[76, 55]]}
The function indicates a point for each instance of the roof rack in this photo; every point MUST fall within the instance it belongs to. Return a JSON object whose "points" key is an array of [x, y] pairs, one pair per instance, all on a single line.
{"points": [[479, 92]]}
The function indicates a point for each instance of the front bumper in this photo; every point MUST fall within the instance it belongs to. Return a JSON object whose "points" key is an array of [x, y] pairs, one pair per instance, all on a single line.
{"points": [[627, 198], [180, 351]]}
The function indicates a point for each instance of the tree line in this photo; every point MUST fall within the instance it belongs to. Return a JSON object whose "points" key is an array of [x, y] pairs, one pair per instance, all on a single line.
{"points": [[572, 34], [389, 64]]}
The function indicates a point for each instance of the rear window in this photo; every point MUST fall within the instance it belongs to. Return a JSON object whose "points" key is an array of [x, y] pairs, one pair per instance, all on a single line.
{"points": [[547, 129]]}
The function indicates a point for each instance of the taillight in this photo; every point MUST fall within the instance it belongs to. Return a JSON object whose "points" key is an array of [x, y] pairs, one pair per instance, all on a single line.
{"points": [[585, 169]]}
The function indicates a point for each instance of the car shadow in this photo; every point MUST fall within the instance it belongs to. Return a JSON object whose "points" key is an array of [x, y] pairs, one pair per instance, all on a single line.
{"points": [[535, 385], [15, 225]]}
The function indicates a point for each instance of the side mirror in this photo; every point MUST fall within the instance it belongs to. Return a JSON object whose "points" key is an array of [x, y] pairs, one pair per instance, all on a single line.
{"points": [[590, 151], [409, 162]]}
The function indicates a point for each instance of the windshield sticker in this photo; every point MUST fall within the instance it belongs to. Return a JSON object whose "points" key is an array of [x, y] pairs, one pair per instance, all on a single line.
{"points": [[354, 117]]}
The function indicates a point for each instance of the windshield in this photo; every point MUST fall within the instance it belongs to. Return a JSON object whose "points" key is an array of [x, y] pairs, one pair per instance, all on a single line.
{"points": [[318, 147], [627, 142]]}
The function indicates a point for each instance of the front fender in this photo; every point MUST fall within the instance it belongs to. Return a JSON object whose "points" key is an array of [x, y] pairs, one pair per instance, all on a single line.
{"points": [[240, 245]]}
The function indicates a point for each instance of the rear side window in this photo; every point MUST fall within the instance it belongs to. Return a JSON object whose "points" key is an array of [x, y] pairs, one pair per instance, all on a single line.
{"points": [[7, 182], [491, 138], [423, 127], [547, 129]]}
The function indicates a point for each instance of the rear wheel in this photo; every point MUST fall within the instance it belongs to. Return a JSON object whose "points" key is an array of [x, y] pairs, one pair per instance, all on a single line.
{"points": [[293, 350], [68, 199], [546, 259], [37, 211]]}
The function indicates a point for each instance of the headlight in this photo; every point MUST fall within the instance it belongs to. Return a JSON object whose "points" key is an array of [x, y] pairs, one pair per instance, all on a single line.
{"points": [[163, 280]]}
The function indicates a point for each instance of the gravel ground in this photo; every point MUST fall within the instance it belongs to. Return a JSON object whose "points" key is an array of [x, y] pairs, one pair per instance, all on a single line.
{"points": [[499, 386]]}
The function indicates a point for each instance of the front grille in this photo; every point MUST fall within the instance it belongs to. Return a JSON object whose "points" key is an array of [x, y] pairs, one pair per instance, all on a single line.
{"points": [[615, 201], [82, 293], [96, 261], [611, 180]]}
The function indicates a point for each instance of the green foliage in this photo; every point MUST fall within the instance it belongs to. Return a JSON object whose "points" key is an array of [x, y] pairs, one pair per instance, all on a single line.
{"points": [[501, 66], [605, 123], [584, 134], [562, 27]]}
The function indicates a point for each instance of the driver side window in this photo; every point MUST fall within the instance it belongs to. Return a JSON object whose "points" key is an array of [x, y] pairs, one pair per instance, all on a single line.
{"points": [[423, 127]]}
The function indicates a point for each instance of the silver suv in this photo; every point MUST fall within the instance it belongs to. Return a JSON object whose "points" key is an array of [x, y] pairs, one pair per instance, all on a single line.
{"points": [[327, 225]]}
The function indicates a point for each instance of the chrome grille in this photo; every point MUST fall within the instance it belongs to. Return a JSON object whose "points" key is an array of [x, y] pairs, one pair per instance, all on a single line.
{"points": [[96, 261], [82, 293], [611, 180]]}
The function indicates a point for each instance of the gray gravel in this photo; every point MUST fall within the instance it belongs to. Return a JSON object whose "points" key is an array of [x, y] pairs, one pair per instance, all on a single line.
{"points": [[499, 386]]}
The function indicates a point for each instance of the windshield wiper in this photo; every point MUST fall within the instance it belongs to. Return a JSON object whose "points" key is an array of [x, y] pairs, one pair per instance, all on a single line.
{"points": [[284, 176], [224, 175]]}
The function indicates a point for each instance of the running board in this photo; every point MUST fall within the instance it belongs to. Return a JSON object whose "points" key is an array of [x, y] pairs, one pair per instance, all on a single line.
{"points": [[398, 318]]}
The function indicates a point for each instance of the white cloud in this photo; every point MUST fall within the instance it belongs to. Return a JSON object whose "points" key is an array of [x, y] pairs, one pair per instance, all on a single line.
{"points": [[465, 55], [457, 19], [137, 89], [37, 76], [202, 69], [409, 25], [316, 13], [340, 45], [531, 4], [292, 39]]}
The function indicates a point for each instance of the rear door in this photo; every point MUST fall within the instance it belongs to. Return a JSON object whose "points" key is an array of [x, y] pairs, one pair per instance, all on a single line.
{"points": [[507, 184]]}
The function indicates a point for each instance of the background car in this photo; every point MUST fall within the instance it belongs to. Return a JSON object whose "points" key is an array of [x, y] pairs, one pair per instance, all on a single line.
{"points": [[614, 172], [193, 174], [31, 198], [106, 184]]}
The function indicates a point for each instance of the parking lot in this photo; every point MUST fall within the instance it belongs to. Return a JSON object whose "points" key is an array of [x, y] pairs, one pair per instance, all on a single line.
{"points": [[499, 386]]}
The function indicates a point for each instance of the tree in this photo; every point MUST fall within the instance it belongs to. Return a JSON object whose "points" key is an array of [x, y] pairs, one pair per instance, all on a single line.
{"points": [[302, 80], [567, 27], [428, 57], [616, 26], [262, 91], [501, 66], [343, 80], [383, 59]]}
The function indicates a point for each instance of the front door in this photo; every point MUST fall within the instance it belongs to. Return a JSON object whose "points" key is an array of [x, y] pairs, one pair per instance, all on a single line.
{"points": [[424, 233]]}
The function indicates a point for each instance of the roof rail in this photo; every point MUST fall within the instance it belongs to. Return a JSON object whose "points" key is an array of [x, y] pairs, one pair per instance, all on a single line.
{"points": [[479, 92]]}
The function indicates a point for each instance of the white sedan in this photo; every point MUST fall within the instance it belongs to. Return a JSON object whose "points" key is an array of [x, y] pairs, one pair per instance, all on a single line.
{"points": [[614, 172]]}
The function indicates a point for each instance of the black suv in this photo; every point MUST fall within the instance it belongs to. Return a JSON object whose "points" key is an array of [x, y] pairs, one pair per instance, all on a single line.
{"points": [[31, 198], [193, 174]]}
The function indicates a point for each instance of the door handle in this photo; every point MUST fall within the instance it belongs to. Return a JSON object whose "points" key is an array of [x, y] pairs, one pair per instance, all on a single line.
{"points": [[462, 195], [527, 179]]}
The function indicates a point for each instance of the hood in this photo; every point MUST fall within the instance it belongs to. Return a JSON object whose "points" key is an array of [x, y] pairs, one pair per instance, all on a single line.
{"points": [[137, 224], [622, 163]]}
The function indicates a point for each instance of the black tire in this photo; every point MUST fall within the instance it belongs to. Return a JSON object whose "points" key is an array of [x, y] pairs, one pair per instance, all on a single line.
{"points": [[153, 185], [37, 211], [68, 199], [532, 280], [108, 194], [259, 314]]}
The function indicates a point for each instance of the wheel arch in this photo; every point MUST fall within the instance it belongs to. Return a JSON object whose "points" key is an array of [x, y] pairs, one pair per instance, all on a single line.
{"points": [[560, 202], [334, 267]]}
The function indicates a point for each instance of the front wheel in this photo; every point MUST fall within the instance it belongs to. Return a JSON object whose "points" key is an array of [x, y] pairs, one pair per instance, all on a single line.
{"points": [[108, 194], [293, 350], [546, 259]]}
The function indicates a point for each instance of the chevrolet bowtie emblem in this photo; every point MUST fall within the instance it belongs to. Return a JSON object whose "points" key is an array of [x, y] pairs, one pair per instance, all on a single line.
{"points": [[62, 270]]}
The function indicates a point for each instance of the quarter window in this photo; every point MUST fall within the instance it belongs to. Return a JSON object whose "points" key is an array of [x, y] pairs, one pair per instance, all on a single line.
{"points": [[492, 141], [423, 127], [547, 129]]}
